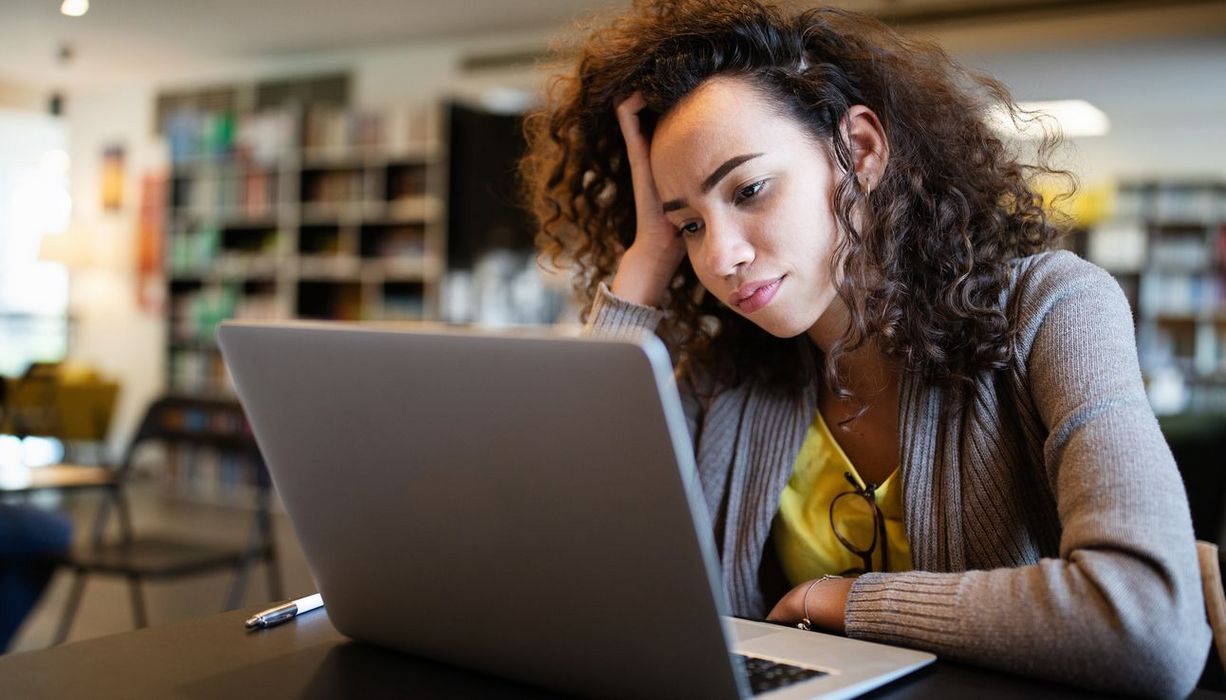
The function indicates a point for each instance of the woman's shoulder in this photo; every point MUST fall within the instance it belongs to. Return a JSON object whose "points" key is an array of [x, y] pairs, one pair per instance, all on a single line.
{"points": [[1038, 281], [1043, 281], [1053, 272]]}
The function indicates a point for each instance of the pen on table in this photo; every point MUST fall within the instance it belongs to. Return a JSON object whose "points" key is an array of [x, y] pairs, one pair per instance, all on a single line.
{"points": [[286, 611]]}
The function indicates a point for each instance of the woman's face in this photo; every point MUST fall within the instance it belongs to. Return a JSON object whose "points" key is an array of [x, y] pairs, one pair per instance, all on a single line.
{"points": [[749, 191]]}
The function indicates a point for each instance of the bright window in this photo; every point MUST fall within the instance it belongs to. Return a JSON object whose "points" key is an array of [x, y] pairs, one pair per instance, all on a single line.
{"points": [[33, 201]]}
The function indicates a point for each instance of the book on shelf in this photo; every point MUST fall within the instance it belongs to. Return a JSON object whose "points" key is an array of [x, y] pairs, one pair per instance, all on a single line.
{"points": [[261, 138], [1187, 250], [1221, 244], [1183, 295], [1186, 202], [1118, 245], [328, 131]]}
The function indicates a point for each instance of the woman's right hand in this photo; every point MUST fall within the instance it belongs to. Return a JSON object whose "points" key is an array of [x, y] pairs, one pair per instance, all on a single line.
{"points": [[649, 264]]}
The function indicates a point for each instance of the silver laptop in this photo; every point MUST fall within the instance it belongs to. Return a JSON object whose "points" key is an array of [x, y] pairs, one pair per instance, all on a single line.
{"points": [[525, 505]]}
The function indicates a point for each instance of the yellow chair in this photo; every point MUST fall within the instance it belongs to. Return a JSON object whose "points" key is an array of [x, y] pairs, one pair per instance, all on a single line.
{"points": [[72, 408], [68, 402]]}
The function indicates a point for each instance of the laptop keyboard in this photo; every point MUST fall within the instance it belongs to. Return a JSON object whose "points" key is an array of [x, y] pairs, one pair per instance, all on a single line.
{"points": [[765, 675]]}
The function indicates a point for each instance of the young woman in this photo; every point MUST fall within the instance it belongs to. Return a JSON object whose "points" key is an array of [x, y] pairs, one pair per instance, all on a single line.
{"points": [[913, 422]]}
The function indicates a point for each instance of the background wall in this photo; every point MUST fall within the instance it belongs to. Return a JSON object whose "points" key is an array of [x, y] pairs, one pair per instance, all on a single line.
{"points": [[1166, 101], [15, 96]]}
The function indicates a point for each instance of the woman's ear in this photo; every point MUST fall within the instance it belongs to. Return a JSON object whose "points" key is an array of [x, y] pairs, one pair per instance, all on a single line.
{"points": [[869, 149]]}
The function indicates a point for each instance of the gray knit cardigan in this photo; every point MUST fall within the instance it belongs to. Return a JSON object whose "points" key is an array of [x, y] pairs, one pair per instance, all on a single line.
{"points": [[1049, 528]]}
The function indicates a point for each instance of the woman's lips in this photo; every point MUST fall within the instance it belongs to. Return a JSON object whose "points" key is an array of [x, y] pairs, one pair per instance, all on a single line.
{"points": [[755, 295]]}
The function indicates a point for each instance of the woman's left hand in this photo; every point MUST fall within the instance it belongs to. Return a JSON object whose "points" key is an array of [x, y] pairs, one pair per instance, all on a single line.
{"points": [[827, 601]]}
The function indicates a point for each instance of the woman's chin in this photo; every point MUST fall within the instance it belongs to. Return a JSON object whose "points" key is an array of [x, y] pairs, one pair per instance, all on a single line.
{"points": [[782, 328], [783, 320]]}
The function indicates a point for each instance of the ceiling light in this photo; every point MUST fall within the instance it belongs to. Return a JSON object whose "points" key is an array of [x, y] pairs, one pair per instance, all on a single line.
{"points": [[1073, 118], [74, 8]]}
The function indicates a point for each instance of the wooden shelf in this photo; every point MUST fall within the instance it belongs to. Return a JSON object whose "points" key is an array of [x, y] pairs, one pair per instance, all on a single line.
{"points": [[368, 156], [329, 266]]}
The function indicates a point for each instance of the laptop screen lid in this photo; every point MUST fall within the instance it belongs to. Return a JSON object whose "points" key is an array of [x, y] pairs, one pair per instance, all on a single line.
{"points": [[522, 504]]}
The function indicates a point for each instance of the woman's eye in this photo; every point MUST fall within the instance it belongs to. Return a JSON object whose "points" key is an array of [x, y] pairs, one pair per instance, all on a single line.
{"points": [[749, 191], [689, 228]]}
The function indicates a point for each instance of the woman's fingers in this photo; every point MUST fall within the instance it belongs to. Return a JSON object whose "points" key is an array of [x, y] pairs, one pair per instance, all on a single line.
{"points": [[628, 119], [650, 262], [645, 197]]}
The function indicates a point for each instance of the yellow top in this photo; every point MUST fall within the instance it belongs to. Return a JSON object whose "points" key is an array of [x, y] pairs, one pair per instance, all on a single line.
{"points": [[804, 540]]}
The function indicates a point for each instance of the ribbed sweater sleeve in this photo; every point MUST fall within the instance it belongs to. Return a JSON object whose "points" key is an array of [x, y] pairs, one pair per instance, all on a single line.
{"points": [[1121, 608], [611, 315]]}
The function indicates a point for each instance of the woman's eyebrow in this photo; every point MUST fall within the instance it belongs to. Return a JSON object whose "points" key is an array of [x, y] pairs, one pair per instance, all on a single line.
{"points": [[713, 180], [728, 166]]}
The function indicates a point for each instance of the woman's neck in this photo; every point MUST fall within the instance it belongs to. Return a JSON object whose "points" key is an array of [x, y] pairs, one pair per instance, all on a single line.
{"points": [[866, 370], [866, 425]]}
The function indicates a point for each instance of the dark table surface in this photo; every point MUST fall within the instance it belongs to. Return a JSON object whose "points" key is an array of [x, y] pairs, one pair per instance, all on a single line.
{"points": [[215, 657]]}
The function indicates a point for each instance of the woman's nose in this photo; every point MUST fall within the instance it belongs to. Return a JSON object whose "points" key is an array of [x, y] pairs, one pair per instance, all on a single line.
{"points": [[727, 249]]}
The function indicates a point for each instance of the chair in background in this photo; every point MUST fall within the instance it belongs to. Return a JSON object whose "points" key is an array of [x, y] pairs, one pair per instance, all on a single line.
{"points": [[181, 425], [29, 403], [1197, 441], [34, 405], [1210, 560]]}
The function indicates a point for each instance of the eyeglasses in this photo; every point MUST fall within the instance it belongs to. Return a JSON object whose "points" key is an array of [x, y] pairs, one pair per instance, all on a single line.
{"points": [[842, 505]]}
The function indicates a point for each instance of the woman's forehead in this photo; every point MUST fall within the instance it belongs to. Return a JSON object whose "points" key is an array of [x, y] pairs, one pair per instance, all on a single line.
{"points": [[722, 118], [720, 103]]}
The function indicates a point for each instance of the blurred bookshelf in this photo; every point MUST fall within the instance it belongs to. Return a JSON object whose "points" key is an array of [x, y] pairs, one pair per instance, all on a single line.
{"points": [[1165, 242], [310, 213]]}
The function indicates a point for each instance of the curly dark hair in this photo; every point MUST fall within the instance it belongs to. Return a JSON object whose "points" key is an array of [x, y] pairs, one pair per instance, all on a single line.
{"points": [[923, 268]]}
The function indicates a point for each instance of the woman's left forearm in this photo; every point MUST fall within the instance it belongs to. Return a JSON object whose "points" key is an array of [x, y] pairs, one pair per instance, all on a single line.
{"points": [[820, 601]]}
